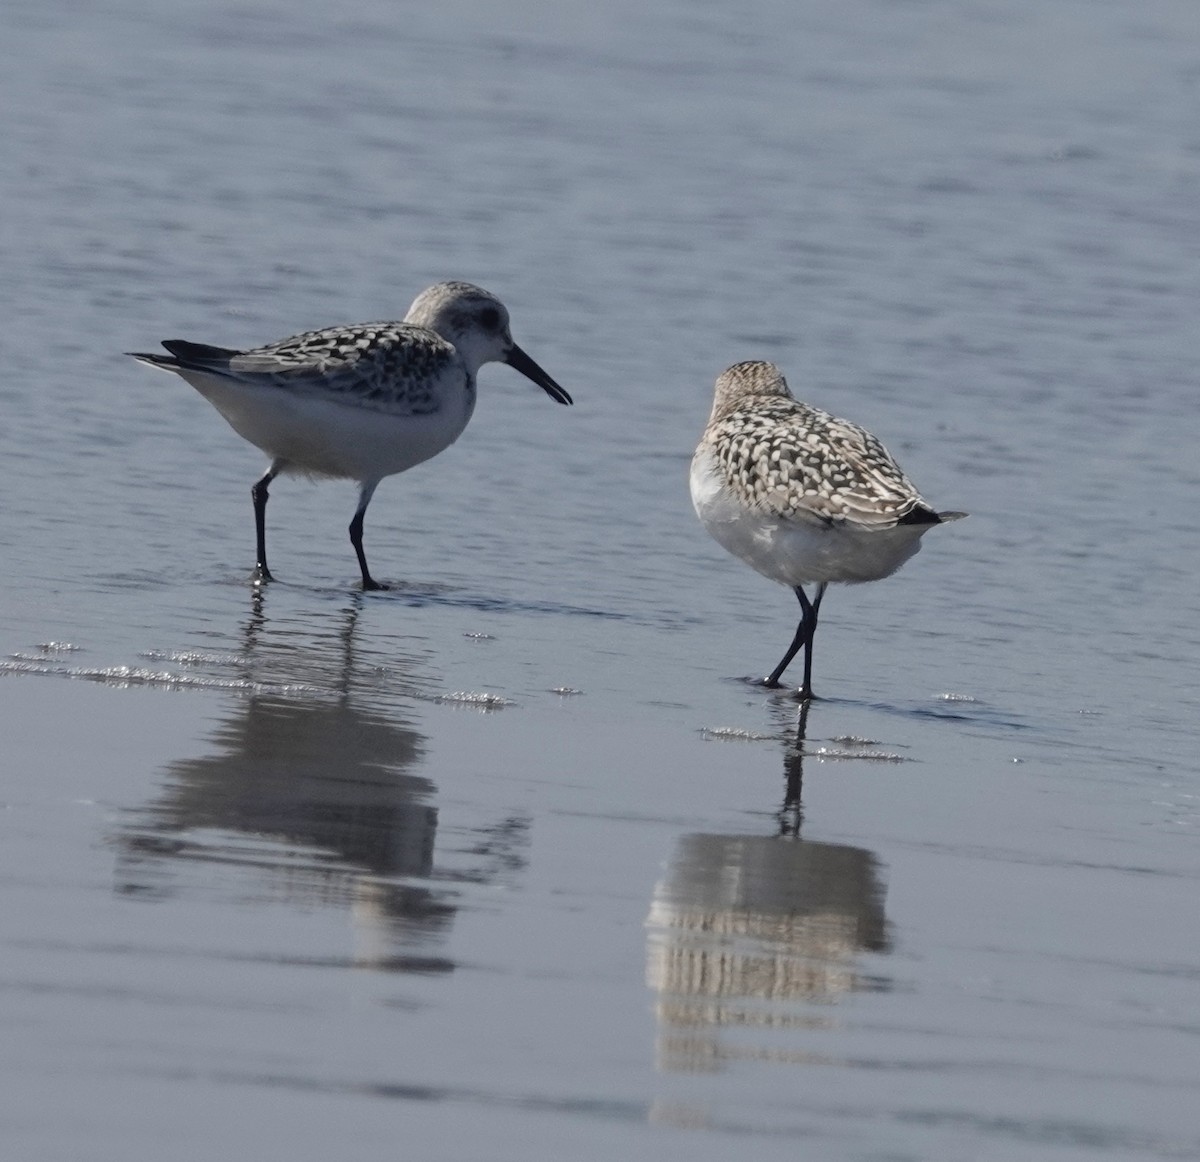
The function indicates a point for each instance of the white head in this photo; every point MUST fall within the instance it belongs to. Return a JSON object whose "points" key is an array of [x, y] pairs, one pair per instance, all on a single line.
{"points": [[476, 323]]}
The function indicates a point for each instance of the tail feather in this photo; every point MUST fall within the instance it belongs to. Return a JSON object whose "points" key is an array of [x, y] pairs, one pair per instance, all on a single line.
{"points": [[186, 356], [166, 362]]}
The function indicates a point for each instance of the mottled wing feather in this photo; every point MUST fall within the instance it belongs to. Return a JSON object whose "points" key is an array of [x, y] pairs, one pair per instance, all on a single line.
{"points": [[878, 491], [800, 463], [393, 366]]}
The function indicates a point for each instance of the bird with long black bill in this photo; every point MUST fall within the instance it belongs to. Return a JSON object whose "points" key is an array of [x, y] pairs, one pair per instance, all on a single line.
{"points": [[358, 402]]}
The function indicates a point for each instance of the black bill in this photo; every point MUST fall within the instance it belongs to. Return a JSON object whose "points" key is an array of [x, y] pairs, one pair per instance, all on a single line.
{"points": [[521, 362]]}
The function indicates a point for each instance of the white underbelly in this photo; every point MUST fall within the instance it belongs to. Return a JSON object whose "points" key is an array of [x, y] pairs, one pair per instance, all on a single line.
{"points": [[328, 438]]}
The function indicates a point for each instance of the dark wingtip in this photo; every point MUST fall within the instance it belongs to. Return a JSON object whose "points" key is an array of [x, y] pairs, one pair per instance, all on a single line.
{"points": [[920, 516], [923, 515], [191, 352]]}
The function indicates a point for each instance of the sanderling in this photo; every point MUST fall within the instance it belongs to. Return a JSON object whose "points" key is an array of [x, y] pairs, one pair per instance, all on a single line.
{"points": [[359, 402], [802, 496]]}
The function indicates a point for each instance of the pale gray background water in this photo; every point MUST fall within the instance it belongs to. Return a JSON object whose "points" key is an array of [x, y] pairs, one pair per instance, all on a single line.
{"points": [[271, 888]]}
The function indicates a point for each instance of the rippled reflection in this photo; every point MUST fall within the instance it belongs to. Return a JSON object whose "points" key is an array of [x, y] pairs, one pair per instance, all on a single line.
{"points": [[748, 932], [320, 801]]}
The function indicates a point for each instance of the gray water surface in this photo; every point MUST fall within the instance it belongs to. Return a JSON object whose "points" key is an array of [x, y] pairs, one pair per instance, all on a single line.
{"points": [[508, 862]]}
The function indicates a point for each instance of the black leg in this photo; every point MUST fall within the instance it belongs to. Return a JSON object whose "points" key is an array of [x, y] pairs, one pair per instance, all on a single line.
{"points": [[260, 495], [810, 616], [799, 640], [356, 532], [803, 638]]}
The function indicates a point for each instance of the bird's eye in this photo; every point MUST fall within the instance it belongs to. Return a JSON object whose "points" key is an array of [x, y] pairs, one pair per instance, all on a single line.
{"points": [[490, 318]]}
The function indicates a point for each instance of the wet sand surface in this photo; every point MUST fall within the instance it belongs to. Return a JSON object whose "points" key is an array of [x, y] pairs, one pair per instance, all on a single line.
{"points": [[510, 861]]}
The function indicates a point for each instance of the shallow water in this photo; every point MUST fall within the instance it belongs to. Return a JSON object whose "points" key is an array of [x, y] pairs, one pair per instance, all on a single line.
{"points": [[507, 862]]}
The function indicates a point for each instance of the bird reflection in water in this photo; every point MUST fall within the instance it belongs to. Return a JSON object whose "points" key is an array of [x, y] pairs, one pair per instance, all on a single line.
{"points": [[747, 933], [317, 797]]}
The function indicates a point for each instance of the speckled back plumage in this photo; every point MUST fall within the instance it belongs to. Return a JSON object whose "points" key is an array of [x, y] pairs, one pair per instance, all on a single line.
{"points": [[392, 366], [788, 459]]}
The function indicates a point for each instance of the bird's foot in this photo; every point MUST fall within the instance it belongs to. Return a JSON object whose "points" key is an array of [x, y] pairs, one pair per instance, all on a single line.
{"points": [[801, 695], [261, 575], [370, 585]]}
